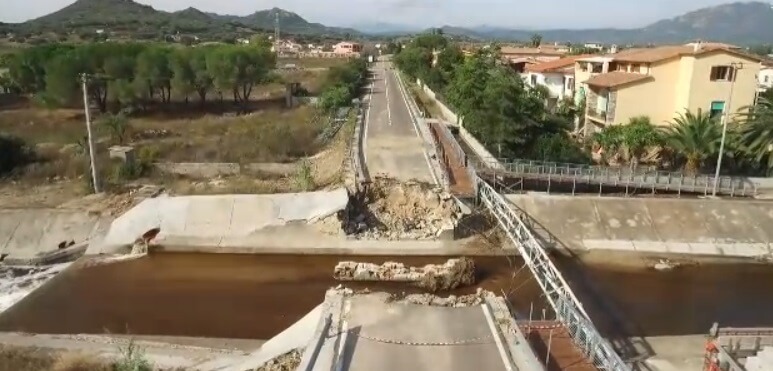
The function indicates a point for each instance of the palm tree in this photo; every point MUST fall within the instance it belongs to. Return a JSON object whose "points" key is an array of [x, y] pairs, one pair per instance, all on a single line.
{"points": [[756, 132], [695, 137]]}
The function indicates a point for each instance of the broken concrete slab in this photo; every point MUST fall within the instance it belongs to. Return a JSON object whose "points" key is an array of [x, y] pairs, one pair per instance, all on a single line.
{"points": [[736, 228], [209, 220], [31, 233]]}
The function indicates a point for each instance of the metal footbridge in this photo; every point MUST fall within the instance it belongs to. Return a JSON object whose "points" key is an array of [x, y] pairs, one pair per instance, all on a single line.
{"points": [[568, 309]]}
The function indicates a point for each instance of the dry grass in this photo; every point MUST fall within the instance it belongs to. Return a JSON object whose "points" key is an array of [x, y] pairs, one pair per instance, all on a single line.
{"points": [[79, 362], [271, 135]]}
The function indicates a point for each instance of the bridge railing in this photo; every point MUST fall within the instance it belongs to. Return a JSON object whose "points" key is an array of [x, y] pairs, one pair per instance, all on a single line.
{"points": [[567, 307], [622, 177]]}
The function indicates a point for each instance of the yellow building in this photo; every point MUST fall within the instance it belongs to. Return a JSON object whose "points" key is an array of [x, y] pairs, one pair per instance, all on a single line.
{"points": [[663, 82]]}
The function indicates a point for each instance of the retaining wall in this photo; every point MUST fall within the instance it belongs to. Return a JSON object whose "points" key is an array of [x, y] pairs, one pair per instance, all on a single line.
{"points": [[678, 226], [30, 234]]}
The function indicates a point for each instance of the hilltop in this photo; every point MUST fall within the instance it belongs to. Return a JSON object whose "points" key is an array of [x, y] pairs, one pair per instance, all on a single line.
{"points": [[134, 18]]}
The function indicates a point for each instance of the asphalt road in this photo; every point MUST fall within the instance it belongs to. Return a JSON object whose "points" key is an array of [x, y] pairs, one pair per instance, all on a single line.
{"points": [[386, 337], [393, 147]]}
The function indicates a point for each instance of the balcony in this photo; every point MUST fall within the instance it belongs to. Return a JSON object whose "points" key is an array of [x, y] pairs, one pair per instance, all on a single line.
{"points": [[597, 115]]}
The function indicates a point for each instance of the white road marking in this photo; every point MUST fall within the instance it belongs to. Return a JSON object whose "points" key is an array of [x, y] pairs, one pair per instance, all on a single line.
{"points": [[389, 107], [367, 123], [497, 339]]}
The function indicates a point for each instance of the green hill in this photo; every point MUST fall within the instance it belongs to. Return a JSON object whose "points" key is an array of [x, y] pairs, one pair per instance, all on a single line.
{"points": [[130, 17]]}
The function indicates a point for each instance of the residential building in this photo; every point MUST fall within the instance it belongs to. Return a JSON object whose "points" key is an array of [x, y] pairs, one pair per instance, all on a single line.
{"points": [[765, 78], [544, 53], [663, 82], [557, 76], [287, 47], [347, 48]]}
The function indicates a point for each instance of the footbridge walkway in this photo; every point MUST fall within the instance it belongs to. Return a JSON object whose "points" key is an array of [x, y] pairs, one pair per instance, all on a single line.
{"points": [[462, 179]]}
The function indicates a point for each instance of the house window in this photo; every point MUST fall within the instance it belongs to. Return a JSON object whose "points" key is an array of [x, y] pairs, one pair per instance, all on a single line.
{"points": [[636, 68], [767, 78], [570, 83], [597, 68], [533, 80], [722, 73], [584, 67], [717, 108]]}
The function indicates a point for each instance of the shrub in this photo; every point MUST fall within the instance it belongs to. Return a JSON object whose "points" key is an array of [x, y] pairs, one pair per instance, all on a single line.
{"points": [[133, 359], [14, 153]]}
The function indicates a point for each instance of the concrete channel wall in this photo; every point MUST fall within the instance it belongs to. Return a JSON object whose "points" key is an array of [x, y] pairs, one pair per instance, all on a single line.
{"points": [[30, 234], [219, 220], [677, 226]]}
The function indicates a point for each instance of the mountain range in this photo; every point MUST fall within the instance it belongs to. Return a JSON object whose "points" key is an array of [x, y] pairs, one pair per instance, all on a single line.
{"points": [[129, 15], [740, 22]]}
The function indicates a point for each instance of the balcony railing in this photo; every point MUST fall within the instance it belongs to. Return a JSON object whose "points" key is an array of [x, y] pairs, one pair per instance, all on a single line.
{"points": [[600, 115]]}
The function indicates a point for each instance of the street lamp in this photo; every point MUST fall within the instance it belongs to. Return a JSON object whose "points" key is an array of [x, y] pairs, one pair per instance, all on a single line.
{"points": [[734, 68]]}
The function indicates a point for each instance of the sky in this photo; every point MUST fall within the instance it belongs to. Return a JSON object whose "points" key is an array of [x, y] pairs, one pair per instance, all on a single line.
{"points": [[422, 13]]}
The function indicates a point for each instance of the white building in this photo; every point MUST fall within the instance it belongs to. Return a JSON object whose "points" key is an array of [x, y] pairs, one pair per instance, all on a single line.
{"points": [[765, 78], [557, 76]]}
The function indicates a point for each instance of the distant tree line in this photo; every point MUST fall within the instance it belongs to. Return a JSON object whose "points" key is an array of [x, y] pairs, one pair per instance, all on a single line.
{"points": [[134, 74]]}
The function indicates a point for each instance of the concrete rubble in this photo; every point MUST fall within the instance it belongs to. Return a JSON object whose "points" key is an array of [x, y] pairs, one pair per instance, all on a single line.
{"points": [[452, 301], [448, 276], [286, 362], [410, 210]]}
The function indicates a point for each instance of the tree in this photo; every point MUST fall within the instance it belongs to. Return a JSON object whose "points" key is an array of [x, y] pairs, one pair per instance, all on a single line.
{"points": [[335, 97], [117, 124], [536, 40], [202, 79], [183, 77], [695, 137], [61, 79], [154, 73], [610, 141], [756, 133], [638, 136], [415, 62]]}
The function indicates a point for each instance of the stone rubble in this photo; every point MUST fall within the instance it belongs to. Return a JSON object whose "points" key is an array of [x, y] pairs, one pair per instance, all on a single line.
{"points": [[451, 301], [286, 362], [393, 210], [448, 276]]}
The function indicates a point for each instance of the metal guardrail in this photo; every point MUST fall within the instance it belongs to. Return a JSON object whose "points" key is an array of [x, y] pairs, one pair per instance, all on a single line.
{"points": [[622, 177], [569, 310]]}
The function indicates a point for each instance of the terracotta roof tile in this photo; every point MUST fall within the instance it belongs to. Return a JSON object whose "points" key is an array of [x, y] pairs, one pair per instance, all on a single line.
{"points": [[650, 55], [556, 65], [531, 51], [617, 78]]}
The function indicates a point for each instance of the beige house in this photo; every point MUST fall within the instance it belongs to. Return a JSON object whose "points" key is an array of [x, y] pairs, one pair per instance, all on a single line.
{"points": [[663, 82]]}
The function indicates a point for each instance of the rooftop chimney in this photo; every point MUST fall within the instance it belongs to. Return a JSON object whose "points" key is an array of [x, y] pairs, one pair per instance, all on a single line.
{"points": [[697, 46]]}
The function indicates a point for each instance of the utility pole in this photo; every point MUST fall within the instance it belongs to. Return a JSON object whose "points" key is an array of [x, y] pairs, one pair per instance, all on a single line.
{"points": [[84, 82], [734, 68], [276, 28]]}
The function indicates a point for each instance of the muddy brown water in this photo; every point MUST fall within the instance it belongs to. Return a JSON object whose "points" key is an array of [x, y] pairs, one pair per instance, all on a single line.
{"points": [[258, 296], [218, 295]]}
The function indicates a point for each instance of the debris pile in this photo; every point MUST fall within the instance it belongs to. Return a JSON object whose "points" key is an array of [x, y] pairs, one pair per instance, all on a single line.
{"points": [[393, 210], [286, 362], [448, 276], [453, 301]]}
